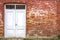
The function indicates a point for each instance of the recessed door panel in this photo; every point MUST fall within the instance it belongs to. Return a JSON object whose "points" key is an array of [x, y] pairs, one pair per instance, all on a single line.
{"points": [[20, 19], [10, 19], [21, 33], [10, 33]]}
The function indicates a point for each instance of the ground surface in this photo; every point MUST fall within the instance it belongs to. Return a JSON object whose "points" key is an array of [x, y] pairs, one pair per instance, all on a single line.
{"points": [[28, 39]]}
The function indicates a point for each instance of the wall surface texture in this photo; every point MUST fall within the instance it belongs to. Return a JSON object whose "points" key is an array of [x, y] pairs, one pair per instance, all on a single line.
{"points": [[42, 16]]}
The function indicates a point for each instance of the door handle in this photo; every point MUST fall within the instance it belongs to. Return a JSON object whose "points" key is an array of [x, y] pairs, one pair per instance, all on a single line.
{"points": [[15, 24]]}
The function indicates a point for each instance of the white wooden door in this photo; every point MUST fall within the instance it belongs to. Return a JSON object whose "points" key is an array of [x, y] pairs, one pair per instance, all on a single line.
{"points": [[9, 23], [21, 23], [15, 21]]}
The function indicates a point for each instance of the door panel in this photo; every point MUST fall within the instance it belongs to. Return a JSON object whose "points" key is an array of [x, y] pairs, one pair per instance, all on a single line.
{"points": [[10, 19], [10, 33], [21, 33], [20, 17]]}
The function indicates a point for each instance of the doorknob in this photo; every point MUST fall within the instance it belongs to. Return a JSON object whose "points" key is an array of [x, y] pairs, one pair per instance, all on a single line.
{"points": [[15, 24]]}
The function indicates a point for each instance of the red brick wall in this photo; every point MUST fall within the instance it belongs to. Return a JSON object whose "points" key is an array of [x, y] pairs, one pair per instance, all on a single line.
{"points": [[42, 16]]}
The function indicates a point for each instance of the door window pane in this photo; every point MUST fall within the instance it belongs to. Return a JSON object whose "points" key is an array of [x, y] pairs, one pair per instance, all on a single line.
{"points": [[10, 6], [20, 6]]}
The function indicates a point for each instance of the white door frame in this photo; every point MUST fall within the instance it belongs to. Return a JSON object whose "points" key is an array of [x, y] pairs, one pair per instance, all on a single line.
{"points": [[4, 15]]}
